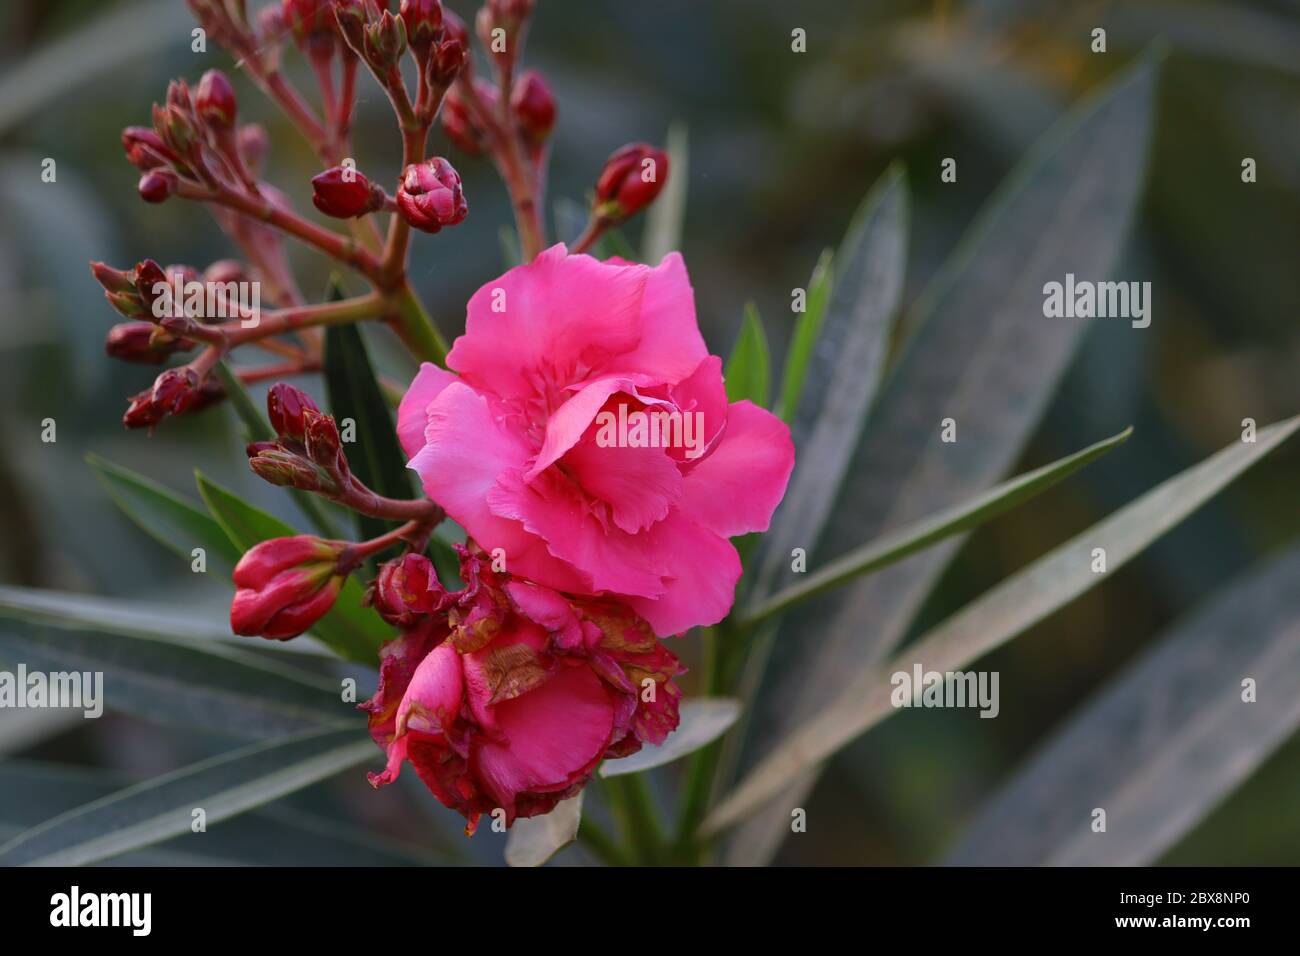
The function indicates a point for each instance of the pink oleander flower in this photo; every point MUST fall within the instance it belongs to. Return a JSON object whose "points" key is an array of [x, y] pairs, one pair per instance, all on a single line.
{"points": [[512, 696], [541, 446]]}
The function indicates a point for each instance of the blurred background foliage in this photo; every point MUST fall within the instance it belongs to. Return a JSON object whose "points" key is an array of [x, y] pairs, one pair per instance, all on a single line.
{"points": [[783, 146]]}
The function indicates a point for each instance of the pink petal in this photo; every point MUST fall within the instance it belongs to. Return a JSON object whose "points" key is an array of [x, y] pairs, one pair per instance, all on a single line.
{"points": [[737, 487], [639, 484], [568, 423], [433, 698], [563, 317], [549, 609], [466, 448], [554, 736], [412, 412], [671, 345], [703, 583], [556, 510]]}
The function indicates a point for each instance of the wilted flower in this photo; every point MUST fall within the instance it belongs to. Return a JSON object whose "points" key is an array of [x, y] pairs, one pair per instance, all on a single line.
{"points": [[513, 697]]}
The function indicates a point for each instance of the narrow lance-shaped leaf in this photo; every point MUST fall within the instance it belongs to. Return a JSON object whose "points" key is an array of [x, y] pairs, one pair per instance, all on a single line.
{"points": [[1006, 611], [1164, 742], [963, 517], [224, 786], [748, 372], [375, 457], [667, 214], [807, 329], [702, 722], [210, 687], [534, 840], [169, 518], [354, 632], [1065, 208]]}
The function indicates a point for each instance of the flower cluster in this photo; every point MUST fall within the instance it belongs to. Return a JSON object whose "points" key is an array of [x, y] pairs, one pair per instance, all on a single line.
{"points": [[584, 545]]}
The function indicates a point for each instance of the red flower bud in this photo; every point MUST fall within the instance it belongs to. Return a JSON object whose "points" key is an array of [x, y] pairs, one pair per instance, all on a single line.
{"points": [[285, 406], [287, 469], [157, 185], [176, 391], [215, 100], [148, 276], [446, 61], [145, 150], [406, 589], [534, 106], [430, 196], [344, 192], [631, 180], [385, 41], [454, 28], [458, 123], [306, 18], [253, 144], [113, 280], [423, 20], [143, 343], [285, 585]]}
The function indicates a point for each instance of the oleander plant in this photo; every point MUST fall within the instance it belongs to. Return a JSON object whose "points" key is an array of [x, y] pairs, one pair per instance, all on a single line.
{"points": [[557, 567]]}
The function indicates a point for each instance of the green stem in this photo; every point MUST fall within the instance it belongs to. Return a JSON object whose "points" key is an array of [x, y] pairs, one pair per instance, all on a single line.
{"points": [[640, 821], [416, 328], [600, 843]]}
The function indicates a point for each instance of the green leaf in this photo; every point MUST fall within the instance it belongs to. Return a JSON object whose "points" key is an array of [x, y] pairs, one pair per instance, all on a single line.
{"points": [[703, 721], [807, 330], [352, 631], [33, 791], [1015, 605], [963, 517], [1163, 743], [667, 214], [164, 515], [224, 786], [534, 840], [211, 686], [983, 355], [747, 373], [375, 457]]}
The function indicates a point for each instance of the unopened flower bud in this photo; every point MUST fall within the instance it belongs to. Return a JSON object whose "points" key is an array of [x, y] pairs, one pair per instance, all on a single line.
{"points": [[385, 41], [145, 149], [215, 100], [285, 406], [253, 144], [324, 447], [158, 185], [148, 277], [446, 61], [423, 22], [630, 181], [406, 589], [143, 343], [113, 280], [285, 585], [277, 465], [176, 391], [430, 196], [307, 18], [344, 192], [533, 106]]}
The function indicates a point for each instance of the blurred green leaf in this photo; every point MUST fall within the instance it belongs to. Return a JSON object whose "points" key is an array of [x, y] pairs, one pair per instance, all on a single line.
{"points": [[509, 243], [224, 787], [211, 687], [164, 515], [1162, 744], [667, 214], [534, 840], [109, 615], [983, 355], [1015, 605], [703, 720], [748, 372], [354, 632], [807, 329], [375, 457], [33, 791], [963, 517]]}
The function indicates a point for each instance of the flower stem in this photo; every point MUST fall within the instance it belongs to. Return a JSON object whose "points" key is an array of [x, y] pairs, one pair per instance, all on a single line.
{"points": [[416, 328], [600, 843]]}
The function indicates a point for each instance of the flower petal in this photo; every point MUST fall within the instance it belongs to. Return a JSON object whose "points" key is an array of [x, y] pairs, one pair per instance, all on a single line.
{"points": [[412, 413], [702, 586]]}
